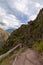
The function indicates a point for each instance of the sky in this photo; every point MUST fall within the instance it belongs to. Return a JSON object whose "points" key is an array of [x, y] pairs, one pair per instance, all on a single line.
{"points": [[14, 13]]}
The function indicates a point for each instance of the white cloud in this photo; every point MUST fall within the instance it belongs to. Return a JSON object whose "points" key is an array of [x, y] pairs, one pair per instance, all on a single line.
{"points": [[21, 5], [37, 5], [28, 7], [8, 20], [24, 6], [33, 17], [2, 11], [11, 21], [4, 27]]}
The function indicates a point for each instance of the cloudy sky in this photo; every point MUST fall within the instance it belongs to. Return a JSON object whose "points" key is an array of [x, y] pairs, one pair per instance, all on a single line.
{"points": [[13, 13]]}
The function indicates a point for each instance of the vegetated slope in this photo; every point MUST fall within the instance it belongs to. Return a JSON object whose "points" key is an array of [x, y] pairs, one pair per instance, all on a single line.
{"points": [[3, 37], [27, 34]]}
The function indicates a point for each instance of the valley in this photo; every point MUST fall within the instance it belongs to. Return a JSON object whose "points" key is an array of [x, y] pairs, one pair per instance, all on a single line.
{"points": [[24, 46]]}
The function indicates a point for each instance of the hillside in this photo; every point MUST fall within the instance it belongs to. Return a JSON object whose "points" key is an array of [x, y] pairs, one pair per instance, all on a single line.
{"points": [[29, 35], [3, 37]]}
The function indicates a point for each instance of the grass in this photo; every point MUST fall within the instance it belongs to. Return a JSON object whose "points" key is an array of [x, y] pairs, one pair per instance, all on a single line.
{"points": [[5, 62], [38, 47], [10, 57], [7, 59]]}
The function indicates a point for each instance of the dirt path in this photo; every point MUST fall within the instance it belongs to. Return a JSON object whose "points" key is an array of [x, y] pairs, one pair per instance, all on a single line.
{"points": [[29, 57]]}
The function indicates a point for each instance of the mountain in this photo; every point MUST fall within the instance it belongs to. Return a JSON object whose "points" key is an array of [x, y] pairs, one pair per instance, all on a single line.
{"points": [[9, 30], [28, 34], [3, 37]]}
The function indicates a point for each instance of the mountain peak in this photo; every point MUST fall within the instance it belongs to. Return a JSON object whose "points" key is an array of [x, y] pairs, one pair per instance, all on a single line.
{"points": [[39, 18], [41, 10]]}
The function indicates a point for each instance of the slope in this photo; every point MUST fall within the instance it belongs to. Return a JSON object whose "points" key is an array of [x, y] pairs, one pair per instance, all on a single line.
{"points": [[3, 37]]}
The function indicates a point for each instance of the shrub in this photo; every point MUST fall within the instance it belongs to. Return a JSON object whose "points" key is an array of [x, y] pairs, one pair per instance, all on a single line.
{"points": [[38, 47]]}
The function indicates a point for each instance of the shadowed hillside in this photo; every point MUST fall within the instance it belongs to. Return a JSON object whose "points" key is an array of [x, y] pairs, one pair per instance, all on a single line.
{"points": [[3, 37]]}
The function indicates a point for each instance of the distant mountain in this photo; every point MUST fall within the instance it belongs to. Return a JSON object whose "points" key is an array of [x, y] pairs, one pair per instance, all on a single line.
{"points": [[10, 30], [27, 34]]}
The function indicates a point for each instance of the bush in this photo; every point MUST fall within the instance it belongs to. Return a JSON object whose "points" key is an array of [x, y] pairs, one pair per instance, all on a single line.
{"points": [[38, 47]]}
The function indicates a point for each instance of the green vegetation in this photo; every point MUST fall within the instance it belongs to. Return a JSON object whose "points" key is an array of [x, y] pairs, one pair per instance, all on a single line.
{"points": [[38, 47], [11, 57]]}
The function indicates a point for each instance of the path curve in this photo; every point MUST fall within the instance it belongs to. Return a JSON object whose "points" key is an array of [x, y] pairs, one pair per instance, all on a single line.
{"points": [[29, 57]]}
